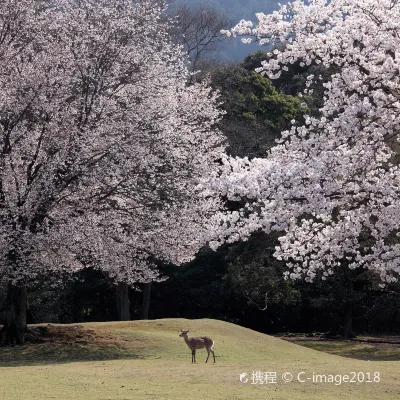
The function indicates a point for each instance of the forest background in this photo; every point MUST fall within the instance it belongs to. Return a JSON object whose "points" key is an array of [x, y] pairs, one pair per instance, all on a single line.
{"points": [[242, 282]]}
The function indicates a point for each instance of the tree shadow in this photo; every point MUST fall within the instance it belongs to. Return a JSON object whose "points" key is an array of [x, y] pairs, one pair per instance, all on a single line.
{"points": [[357, 350]]}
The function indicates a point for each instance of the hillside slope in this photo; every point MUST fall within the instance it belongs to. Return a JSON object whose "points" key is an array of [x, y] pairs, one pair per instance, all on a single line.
{"points": [[148, 360]]}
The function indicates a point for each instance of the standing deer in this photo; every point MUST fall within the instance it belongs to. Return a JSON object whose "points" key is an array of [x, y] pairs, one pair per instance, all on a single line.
{"points": [[196, 343]]}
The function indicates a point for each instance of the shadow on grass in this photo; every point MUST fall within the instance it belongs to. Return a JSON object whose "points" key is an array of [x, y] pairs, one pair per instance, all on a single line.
{"points": [[356, 350], [69, 344]]}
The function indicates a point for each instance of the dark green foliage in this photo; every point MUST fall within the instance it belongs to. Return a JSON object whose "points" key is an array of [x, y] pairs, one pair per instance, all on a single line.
{"points": [[87, 296], [383, 314], [195, 290], [246, 94], [256, 112], [230, 285], [253, 272], [3, 293], [292, 82]]}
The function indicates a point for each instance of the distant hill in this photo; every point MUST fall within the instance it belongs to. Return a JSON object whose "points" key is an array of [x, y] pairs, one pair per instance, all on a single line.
{"points": [[242, 9], [235, 50]]}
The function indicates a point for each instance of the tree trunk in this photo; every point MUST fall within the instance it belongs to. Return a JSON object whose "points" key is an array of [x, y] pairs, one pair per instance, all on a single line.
{"points": [[146, 301], [349, 304], [335, 326], [15, 327], [122, 301], [348, 324]]}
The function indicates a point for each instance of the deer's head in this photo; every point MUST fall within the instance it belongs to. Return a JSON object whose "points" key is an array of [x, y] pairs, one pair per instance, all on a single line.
{"points": [[183, 333]]}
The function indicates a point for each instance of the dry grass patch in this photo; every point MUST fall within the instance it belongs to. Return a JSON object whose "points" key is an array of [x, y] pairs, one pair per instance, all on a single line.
{"points": [[66, 343]]}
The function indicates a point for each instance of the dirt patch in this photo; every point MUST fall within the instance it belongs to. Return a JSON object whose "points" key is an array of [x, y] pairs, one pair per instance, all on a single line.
{"points": [[72, 334], [62, 343]]}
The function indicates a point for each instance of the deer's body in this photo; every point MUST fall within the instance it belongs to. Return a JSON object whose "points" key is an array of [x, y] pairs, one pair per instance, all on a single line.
{"points": [[197, 343]]}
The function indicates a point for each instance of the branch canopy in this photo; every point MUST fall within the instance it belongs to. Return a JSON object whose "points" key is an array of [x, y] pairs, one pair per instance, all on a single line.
{"points": [[332, 183]]}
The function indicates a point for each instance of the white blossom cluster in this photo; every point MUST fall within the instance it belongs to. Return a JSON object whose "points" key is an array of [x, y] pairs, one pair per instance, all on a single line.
{"points": [[102, 142], [332, 186]]}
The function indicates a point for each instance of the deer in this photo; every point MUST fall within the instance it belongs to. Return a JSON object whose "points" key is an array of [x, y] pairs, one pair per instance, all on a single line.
{"points": [[196, 343]]}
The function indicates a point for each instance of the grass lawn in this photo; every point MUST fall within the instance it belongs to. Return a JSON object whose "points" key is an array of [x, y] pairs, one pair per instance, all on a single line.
{"points": [[147, 360]]}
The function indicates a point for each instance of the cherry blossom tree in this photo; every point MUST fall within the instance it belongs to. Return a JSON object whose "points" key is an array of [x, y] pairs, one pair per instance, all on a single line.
{"points": [[102, 145], [331, 184]]}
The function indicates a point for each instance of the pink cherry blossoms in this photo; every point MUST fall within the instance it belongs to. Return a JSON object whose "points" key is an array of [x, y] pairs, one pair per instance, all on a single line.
{"points": [[102, 142], [332, 185]]}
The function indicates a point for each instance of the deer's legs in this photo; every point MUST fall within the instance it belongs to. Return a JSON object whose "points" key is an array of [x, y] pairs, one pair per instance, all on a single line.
{"points": [[193, 356], [212, 351]]}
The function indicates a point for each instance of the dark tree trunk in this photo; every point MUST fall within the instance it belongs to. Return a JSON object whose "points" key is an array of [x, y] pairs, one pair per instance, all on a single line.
{"points": [[349, 305], [122, 301], [15, 327], [348, 324], [335, 326], [146, 301]]}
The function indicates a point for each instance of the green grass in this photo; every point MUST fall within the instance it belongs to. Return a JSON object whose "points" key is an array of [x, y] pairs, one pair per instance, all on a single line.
{"points": [[147, 360]]}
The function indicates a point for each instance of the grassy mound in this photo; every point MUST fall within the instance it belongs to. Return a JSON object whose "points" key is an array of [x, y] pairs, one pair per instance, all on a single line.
{"points": [[148, 360]]}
